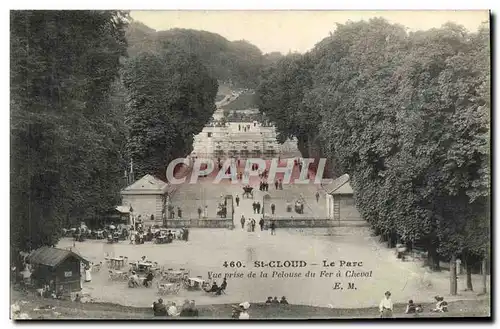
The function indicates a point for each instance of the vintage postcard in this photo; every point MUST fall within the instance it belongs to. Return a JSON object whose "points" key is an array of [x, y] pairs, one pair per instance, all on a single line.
{"points": [[246, 165]]}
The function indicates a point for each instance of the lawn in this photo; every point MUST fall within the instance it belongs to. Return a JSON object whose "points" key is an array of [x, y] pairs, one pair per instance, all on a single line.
{"points": [[243, 102], [71, 310]]}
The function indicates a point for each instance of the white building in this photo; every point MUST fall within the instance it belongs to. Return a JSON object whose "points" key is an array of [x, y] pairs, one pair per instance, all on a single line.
{"points": [[233, 141]]}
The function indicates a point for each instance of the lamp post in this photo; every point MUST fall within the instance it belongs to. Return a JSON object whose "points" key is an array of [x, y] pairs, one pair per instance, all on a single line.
{"points": [[230, 197]]}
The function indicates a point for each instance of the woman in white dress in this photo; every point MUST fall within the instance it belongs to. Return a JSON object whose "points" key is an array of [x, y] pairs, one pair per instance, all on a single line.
{"points": [[88, 275]]}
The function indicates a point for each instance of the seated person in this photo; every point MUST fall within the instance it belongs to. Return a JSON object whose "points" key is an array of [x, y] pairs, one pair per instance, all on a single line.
{"points": [[275, 300], [133, 280], [411, 308], [269, 300], [60, 293], [441, 305], [283, 300], [172, 310], [194, 310], [148, 281], [214, 288], [222, 287], [159, 308]]}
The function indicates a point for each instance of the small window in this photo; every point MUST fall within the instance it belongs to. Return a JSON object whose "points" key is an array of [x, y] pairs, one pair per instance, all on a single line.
{"points": [[209, 135], [349, 201]]}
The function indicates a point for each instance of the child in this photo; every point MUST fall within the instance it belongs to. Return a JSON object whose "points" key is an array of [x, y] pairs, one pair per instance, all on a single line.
{"points": [[441, 305]]}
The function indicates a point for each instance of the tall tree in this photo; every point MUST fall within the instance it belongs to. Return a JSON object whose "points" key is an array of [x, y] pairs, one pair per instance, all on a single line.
{"points": [[171, 98], [65, 147]]}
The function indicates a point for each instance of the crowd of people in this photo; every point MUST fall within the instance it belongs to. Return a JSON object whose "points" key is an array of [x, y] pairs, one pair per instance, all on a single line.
{"points": [[386, 306], [188, 309], [156, 233], [217, 290], [275, 301], [251, 223]]}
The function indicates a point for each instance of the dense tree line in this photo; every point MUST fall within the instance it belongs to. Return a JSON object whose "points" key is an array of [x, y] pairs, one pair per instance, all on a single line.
{"points": [[80, 111], [171, 97], [66, 129], [238, 61], [407, 115]]}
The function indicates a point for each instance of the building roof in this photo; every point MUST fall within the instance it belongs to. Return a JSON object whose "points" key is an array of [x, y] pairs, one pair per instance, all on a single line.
{"points": [[52, 256], [339, 186], [123, 209], [146, 185]]}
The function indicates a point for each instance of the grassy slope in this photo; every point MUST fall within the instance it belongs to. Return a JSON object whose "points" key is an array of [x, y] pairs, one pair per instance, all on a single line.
{"points": [[70, 310], [243, 102]]}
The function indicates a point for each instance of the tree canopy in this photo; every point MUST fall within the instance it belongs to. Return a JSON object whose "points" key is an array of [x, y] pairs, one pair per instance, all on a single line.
{"points": [[238, 61], [171, 97], [407, 116], [66, 127]]}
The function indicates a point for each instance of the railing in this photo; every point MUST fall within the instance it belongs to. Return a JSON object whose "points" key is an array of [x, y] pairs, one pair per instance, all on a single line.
{"points": [[199, 223], [313, 222]]}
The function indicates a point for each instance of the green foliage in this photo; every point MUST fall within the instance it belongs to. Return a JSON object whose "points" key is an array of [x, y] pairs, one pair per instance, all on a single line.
{"points": [[407, 116], [66, 132], [244, 102], [280, 95], [171, 98], [237, 61]]}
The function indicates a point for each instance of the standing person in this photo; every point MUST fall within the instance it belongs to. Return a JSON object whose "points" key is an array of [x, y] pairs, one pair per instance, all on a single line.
{"points": [[199, 212], [179, 212], [273, 227], [88, 275], [253, 225], [317, 196], [261, 224], [205, 214], [385, 306], [237, 200], [273, 208], [258, 207], [280, 183], [239, 127], [242, 220], [254, 206], [276, 184]]}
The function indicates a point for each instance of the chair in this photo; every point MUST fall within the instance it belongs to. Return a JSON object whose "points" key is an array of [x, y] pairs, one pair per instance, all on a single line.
{"points": [[96, 268], [162, 290], [114, 276], [175, 289], [124, 276]]}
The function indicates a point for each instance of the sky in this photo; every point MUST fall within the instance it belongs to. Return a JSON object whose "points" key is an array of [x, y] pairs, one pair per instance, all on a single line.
{"points": [[295, 31]]}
